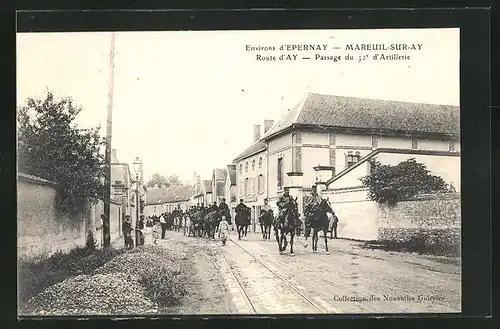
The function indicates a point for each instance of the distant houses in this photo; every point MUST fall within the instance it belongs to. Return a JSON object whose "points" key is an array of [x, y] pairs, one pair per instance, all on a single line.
{"points": [[166, 199]]}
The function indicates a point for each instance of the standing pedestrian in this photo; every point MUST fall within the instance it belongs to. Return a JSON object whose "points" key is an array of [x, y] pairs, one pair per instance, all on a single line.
{"points": [[163, 224], [223, 229], [127, 235], [156, 232]]}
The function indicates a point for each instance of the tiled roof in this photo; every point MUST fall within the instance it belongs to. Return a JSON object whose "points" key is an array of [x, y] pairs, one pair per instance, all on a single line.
{"points": [[207, 186], [256, 147], [169, 194], [220, 174], [361, 113]]}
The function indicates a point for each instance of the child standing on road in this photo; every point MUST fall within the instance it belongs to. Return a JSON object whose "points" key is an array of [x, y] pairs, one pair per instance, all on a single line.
{"points": [[156, 232], [223, 229]]}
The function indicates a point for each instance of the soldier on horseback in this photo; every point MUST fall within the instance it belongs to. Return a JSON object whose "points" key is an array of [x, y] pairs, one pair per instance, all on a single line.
{"points": [[266, 213], [283, 204], [310, 209], [224, 211], [242, 218], [266, 208], [212, 208]]}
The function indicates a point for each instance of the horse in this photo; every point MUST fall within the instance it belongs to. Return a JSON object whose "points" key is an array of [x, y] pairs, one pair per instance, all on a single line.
{"points": [[211, 223], [321, 222], [288, 225], [266, 221], [242, 222]]}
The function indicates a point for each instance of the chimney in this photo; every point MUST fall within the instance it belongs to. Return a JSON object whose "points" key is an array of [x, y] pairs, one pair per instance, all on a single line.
{"points": [[256, 133], [267, 125]]}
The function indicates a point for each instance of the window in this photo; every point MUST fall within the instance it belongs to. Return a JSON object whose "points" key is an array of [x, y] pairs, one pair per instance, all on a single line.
{"points": [[241, 168], [280, 173], [246, 166], [414, 143], [246, 186], [352, 158], [253, 165], [260, 183], [242, 188], [260, 163]]}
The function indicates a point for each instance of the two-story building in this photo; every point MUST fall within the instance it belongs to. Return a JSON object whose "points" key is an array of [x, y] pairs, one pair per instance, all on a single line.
{"points": [[202, 193], [251, 174], [218, 184], [230, 192], [334, 133]]}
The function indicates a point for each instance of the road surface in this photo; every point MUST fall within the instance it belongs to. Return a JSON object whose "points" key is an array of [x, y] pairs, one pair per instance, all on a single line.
{"points": [[258, 280]]}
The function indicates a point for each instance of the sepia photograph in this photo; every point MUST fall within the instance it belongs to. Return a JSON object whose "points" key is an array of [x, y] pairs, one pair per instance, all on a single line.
{"points": [[239, 172]]}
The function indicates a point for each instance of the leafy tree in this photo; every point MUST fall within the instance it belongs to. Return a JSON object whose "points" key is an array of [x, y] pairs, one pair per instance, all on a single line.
{"points": [[390, 184], [53, 147], [157, 179], [174, 180]]}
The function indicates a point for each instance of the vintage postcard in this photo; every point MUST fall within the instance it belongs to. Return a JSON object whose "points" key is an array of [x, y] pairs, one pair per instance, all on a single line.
{"points": [[239, 172]]}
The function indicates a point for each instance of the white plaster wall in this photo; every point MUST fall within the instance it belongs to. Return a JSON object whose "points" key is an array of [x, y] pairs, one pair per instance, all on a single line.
{"points": [[358, 217], [273, 172], [353, 140], [280, 143], [433, 145], [311, 157], [315, 138], [394, 142], [352, 178]]}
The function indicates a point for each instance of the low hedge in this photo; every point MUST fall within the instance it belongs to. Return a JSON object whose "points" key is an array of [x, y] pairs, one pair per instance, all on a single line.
{"points": [[435, 241]]}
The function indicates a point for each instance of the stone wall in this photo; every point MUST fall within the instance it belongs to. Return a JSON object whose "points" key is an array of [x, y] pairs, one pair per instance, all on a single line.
{"points": [[430, 219], [43, 230], [426, 211], [428, 223]]}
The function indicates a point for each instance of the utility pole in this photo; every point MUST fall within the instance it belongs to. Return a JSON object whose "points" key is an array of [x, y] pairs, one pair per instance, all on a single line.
{"points": [[109, 127]]}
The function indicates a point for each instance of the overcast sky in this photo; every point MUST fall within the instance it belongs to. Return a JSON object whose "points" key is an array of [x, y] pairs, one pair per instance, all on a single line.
{"points": [[187, 101]]}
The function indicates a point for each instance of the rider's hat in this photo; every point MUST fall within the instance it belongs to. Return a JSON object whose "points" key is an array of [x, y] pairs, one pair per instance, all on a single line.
{"points": [[241, 200]]}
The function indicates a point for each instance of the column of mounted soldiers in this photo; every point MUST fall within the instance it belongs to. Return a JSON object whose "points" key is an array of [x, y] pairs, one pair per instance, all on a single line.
{"points": [[201, 220]]}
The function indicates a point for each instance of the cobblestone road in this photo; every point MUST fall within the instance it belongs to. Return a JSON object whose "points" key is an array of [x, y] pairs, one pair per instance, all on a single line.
{"points": [[348, 280]]}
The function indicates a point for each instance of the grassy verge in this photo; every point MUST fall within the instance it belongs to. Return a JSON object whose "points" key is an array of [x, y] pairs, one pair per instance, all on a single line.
{"points": [[35, 274]]}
